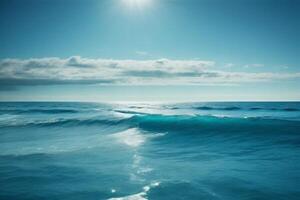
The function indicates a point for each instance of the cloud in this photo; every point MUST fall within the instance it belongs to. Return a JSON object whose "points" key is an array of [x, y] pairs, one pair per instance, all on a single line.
{"points": [[78, 70], [254, 65]]}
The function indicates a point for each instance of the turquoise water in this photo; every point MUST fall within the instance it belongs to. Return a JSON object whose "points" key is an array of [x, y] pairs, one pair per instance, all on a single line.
{"points": [[139, 151]]}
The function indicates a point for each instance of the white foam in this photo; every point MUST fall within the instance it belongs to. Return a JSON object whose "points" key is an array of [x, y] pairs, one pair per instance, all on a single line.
{"points": [[130, 137], [146, 188], [155, 184], [138, 196]]}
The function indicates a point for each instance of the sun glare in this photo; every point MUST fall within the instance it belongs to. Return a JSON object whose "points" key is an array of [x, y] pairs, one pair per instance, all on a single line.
{"points": [[137, 3]]}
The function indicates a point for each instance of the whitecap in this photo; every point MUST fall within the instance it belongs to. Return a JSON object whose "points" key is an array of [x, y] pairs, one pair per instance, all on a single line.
{"points": [[139, 196], [130, 137]]}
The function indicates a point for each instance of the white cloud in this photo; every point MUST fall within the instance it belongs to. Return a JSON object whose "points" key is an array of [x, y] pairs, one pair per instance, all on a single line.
{"points": [[254, 65], [78, 70]]}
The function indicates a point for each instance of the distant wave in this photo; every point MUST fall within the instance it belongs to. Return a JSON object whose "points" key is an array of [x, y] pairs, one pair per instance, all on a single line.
{"points": [[130, 112], [234, 108], [79, 122], [202, 108], [45, 111], [291, 109], [216, 108], [73, 122]]}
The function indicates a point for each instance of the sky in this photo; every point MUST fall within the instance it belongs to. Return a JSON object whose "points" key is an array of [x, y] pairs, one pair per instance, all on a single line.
{"points": [[149, 50]]}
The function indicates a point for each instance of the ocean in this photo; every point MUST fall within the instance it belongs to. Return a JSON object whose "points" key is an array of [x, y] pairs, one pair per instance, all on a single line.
{"points": [[150, 151]]}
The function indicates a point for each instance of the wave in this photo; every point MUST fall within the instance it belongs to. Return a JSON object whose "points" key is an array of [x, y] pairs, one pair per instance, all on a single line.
{"points": [[216, 108], [42, 111], [79, 122], [291, 109], [130, 112], [61, 122], [174, 123], [234, 108], [190, 124]]}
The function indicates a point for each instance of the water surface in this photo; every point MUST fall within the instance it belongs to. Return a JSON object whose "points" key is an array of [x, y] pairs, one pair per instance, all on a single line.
{"points": [[143, 151]]}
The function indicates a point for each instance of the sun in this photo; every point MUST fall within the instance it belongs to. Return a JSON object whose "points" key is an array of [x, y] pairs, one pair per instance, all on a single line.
{"points": [[137, 3]]}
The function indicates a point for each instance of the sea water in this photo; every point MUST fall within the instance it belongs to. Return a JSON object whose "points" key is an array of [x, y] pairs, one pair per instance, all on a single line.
{"points": [[140, 151]]}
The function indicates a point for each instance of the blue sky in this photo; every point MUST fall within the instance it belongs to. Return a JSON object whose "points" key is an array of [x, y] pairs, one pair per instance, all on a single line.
{"points": [[149, 50]]}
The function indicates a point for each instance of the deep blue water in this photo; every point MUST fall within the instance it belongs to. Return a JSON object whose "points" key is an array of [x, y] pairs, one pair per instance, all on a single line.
{"points": [[139, 151]]}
